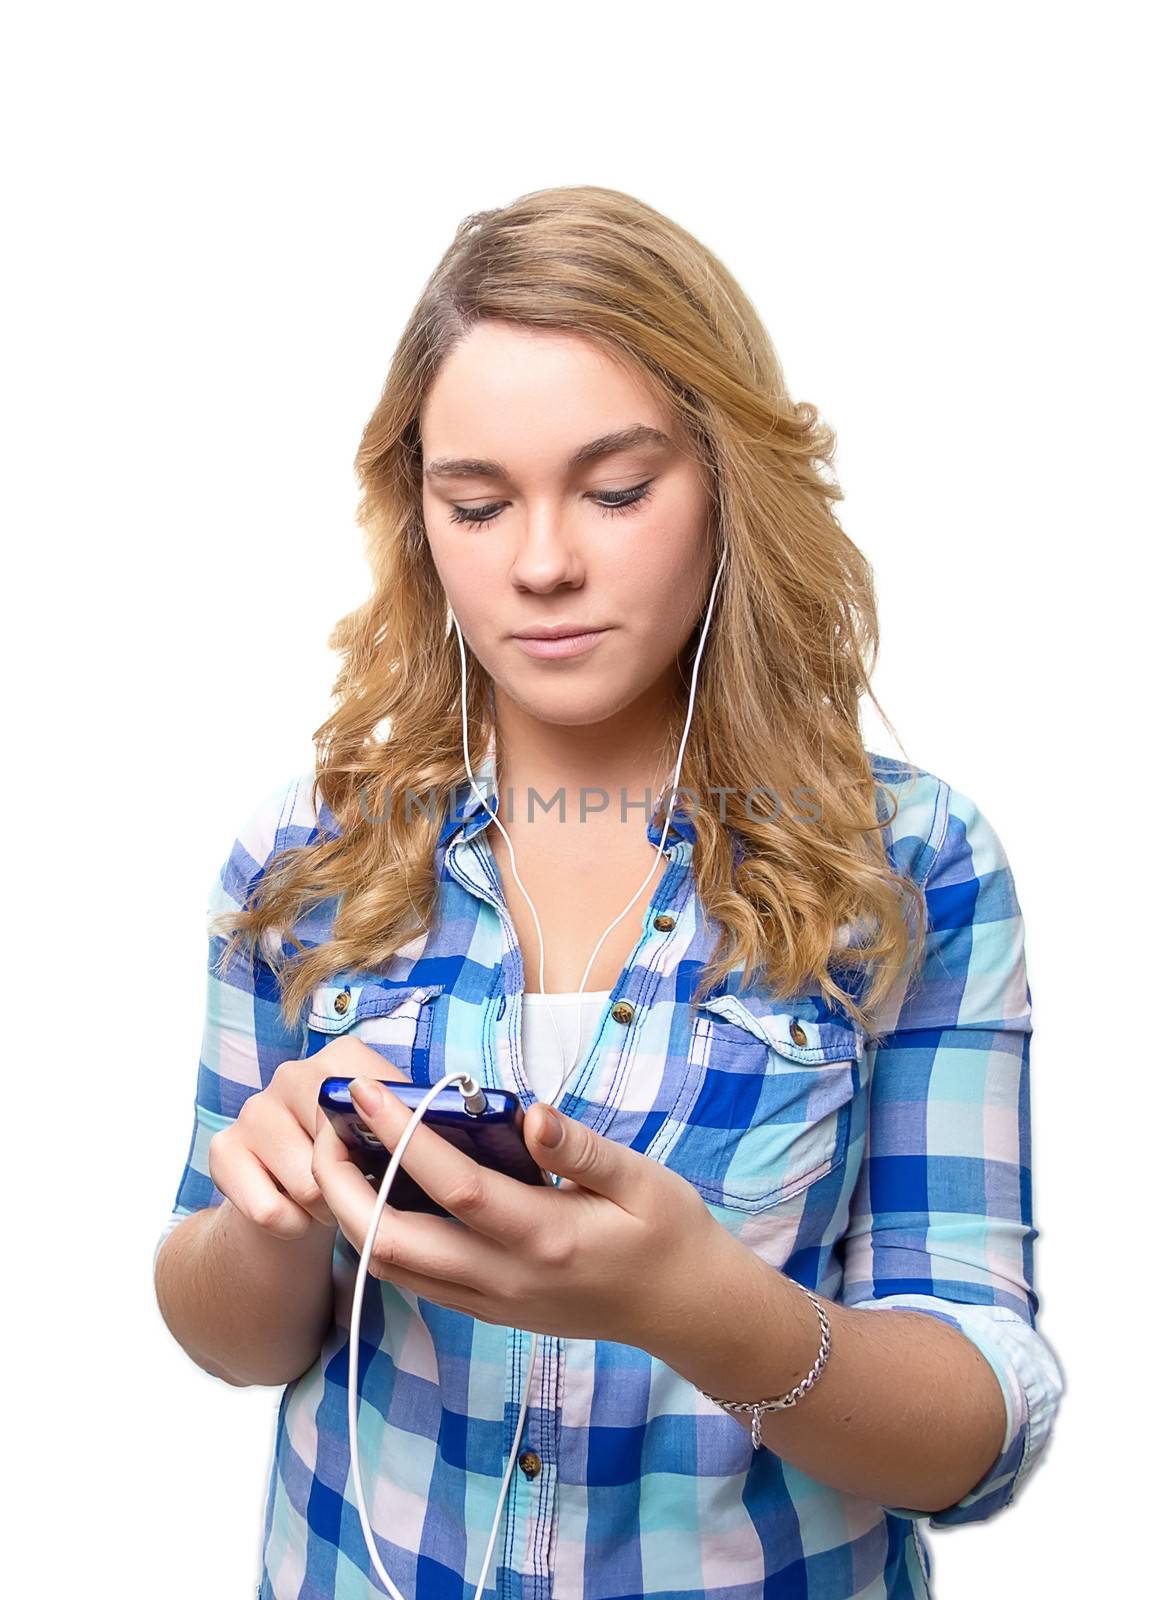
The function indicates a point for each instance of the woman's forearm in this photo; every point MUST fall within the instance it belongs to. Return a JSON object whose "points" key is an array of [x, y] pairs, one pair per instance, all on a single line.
{"points": [[906, 1412], [248, 1307]]}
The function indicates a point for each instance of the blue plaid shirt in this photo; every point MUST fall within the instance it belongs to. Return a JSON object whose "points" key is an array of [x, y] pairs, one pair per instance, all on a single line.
{"points": [[886, 1170]]}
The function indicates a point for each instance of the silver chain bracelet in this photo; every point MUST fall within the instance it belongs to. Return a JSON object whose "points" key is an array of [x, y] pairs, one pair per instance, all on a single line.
{"points": [[796, 1394]]}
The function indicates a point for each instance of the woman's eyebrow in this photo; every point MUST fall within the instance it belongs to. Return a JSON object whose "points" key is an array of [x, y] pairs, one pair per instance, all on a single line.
{"points": [[608, 444]]}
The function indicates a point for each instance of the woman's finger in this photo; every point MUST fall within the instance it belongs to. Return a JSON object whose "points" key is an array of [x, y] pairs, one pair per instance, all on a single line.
{"points": [[242, 1178], [495, 1206], [439, 1249], [288, 1160], [272, 1131]]}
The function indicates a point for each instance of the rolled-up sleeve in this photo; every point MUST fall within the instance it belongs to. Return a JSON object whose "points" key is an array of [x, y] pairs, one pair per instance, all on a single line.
{"points": [[941, 1218]]}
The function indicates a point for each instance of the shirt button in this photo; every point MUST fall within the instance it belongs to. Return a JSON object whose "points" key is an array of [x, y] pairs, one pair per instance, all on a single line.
{"points": [[530, 1462], [664, 922], [622, 1011], [797, 1033], [341, 1002]]}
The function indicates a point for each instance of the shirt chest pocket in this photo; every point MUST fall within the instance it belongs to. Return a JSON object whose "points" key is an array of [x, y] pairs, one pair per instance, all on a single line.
{"points": [[394, 1020], [771, 1105]]}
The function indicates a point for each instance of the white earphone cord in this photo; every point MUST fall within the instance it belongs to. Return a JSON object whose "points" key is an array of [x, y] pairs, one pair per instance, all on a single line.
{"points": [[453, 1077]]}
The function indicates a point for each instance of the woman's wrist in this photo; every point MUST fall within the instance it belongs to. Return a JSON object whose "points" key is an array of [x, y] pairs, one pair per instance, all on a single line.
{"points": [[733, 1325]]}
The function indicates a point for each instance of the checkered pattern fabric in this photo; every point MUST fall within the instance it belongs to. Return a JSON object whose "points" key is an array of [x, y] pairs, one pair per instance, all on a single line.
{"points": [[889, 1170]]}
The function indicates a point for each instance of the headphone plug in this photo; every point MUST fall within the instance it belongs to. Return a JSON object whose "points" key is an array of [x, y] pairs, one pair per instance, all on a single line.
{"points": [[474, 1095]]}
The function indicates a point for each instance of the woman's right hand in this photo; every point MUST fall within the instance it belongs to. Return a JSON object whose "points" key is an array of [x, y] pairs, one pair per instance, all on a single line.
{"points": [[261, 1161]]}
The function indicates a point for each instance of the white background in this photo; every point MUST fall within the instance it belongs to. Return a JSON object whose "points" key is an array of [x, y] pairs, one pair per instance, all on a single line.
{"points": [[950, 218]]}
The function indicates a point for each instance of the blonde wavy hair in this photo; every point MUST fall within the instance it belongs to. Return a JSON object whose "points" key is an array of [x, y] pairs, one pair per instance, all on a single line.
{"points": [[789, 654]]}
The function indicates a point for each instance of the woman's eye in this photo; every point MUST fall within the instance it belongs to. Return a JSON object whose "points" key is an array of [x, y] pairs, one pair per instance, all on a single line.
{"points": [[610, 501], [623, 499], [474, 513]]}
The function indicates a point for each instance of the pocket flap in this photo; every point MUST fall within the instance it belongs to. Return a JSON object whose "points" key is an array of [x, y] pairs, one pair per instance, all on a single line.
{"points": [[337, 1007], [788, 1030]]}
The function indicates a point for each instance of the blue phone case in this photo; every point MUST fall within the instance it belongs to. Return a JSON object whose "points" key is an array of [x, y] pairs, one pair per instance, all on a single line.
{"points": [[494, 1139]]}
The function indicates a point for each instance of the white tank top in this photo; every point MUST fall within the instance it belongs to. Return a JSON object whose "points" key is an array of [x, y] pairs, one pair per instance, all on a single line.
{"points": [[547, 1046]]}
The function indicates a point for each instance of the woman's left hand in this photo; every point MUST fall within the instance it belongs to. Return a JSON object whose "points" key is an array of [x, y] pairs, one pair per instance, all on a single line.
{"points": [[619, 1251]]}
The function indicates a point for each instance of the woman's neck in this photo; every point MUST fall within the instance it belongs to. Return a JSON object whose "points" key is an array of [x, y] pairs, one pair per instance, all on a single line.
{"points": [[593, 767]]}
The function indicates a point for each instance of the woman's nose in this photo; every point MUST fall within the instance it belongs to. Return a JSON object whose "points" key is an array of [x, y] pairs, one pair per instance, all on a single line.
{"points": [[547, 555]]}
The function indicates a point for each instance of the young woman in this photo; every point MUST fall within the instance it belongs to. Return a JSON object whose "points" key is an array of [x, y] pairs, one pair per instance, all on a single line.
{"points": [[795, 969]]}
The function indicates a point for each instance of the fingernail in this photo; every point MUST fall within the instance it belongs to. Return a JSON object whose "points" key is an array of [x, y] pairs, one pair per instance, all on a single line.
{"points": [[551, 1132], [366, 1094]]}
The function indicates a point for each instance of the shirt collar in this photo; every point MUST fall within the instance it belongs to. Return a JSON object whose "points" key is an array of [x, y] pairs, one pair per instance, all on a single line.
{"points": [[466, 813]]}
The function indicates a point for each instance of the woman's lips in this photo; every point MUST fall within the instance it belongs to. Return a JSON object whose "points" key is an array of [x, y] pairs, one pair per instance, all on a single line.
{"points": [[571, 644]]}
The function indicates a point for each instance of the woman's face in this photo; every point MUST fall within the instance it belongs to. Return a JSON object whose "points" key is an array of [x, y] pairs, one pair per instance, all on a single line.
{"points": [[535, 518]]}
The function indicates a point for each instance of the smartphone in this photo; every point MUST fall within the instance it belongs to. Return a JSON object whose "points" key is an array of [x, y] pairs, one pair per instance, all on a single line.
{"points": [[494, 1139]]}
